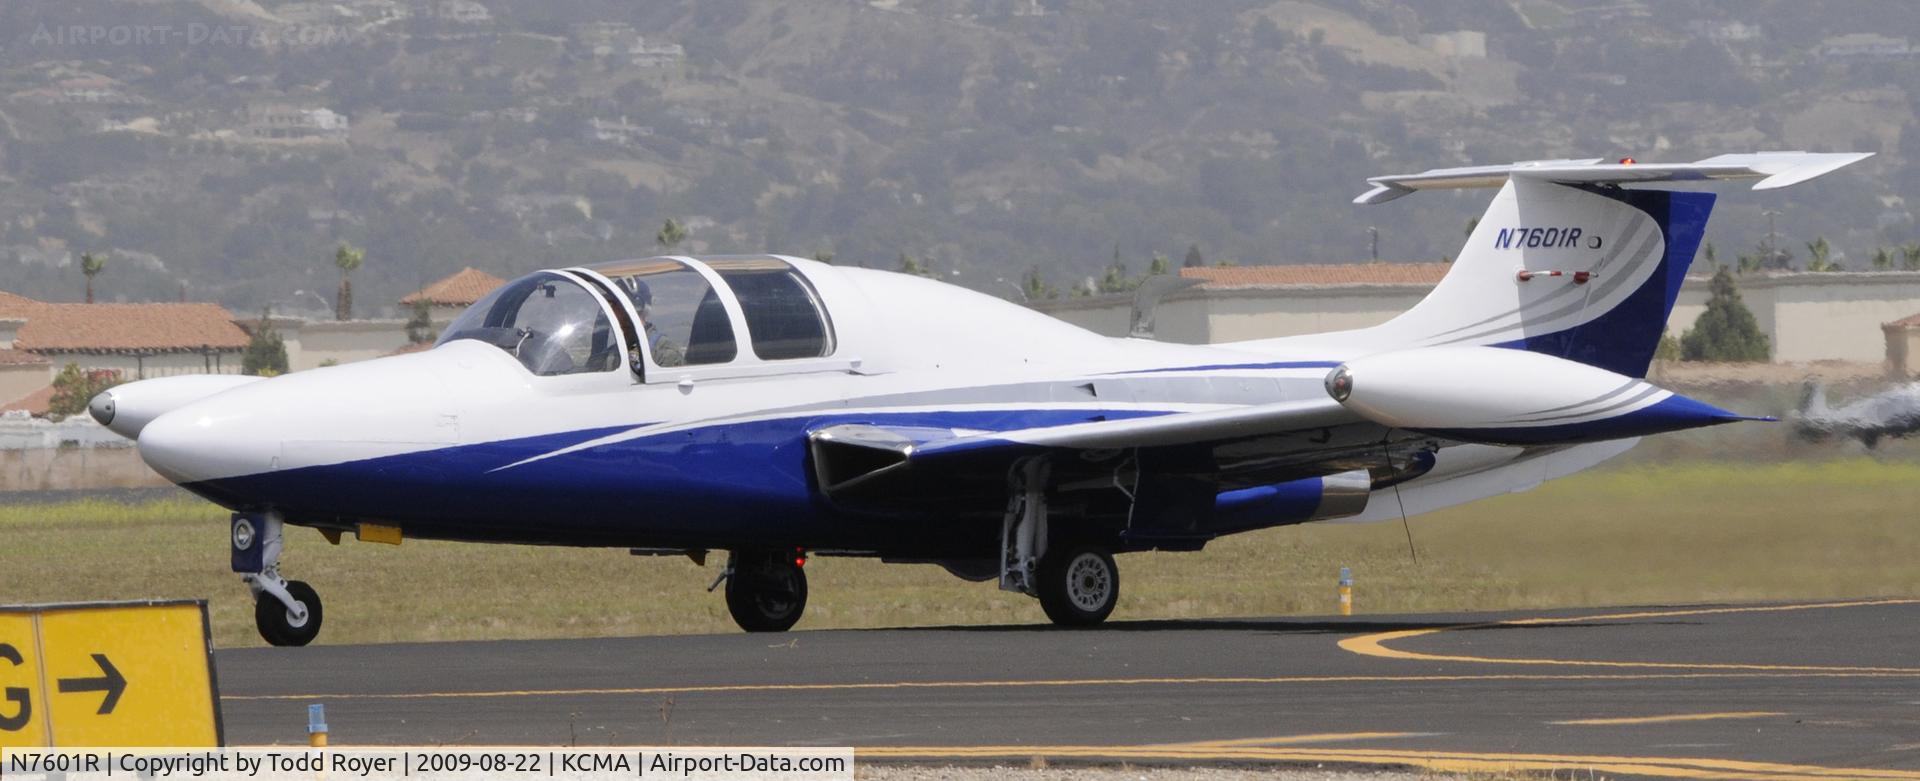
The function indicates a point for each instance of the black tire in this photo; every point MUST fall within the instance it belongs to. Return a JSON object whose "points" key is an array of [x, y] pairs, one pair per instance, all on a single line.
{"points": [[1079, 585], [276, 623], [766, 593]]}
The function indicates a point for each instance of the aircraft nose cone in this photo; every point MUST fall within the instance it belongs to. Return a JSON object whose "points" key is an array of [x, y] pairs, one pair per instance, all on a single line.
{"points": [[168, 445], [195, 444], [101, 408]]}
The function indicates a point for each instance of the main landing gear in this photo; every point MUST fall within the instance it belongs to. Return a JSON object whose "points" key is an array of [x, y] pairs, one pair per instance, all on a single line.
{"points": [[766, 589], [1077, 584], [287, 612]]}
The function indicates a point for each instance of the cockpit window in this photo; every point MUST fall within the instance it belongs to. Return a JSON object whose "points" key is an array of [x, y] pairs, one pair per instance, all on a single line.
{"points": [[547, 321], [783, 314], [686, 323]]}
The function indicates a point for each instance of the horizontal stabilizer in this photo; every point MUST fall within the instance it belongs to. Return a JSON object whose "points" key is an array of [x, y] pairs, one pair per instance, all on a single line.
{"points": [[1773, 169]]}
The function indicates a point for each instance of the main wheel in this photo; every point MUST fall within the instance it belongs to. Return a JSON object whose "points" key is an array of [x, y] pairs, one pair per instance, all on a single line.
{"points": [[767, 592], [1079, 585], [277, 624]]}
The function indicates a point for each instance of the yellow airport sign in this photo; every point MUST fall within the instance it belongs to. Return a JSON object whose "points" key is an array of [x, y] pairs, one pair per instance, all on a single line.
{"points": [[108, 674]]}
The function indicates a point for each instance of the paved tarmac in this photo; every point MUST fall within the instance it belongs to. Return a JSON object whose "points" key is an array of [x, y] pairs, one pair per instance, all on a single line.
{"points": [[1819, 690]]}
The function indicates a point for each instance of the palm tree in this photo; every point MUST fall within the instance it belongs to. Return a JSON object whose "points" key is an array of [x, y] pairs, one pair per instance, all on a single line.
{"points": [[1820, 255], [348, 258], [91, 265], [912, 265], [671, 234]]}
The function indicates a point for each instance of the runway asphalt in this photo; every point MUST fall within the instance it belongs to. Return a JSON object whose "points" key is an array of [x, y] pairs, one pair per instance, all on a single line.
{"points": [[1800, 691]]}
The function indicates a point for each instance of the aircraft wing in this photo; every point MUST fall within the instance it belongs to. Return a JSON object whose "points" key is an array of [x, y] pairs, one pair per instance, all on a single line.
{"points": [[856, 457], [1159, 431]]}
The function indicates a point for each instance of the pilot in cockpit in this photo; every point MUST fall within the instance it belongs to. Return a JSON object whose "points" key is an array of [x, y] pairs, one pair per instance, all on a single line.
{"points": [[665, 352]]}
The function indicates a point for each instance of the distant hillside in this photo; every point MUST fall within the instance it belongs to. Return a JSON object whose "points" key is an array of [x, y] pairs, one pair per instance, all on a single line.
{"points": [[227, 145]]}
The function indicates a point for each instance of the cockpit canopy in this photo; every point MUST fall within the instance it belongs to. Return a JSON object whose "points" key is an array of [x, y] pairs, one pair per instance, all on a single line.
{"points": [[551, 323], [660, 312]]}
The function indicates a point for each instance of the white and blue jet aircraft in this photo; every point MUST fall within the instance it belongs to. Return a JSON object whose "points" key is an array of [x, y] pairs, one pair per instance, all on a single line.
{"points": [[777, 408]]}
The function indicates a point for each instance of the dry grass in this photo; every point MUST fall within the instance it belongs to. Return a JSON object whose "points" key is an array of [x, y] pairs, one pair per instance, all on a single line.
{"points": [[1659, 533]]}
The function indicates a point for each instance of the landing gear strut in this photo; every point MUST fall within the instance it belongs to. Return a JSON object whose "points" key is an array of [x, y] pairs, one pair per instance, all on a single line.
{"points": [[766, 589], [287, 612], [1078, 585]]}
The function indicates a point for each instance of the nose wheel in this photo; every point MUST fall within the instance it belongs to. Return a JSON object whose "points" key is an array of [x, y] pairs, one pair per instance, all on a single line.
{"points": [[766, 590], [288, 626], [287, 612]]}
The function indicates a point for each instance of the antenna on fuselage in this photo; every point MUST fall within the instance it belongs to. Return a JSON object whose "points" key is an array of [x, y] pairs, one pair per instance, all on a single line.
{"points": [[1405, 525]]}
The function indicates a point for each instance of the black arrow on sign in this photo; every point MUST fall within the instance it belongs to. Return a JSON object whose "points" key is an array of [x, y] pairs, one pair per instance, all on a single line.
{"points": [[113, 683]]}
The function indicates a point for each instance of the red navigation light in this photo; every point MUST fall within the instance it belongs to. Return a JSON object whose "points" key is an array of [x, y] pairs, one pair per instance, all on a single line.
{"points": [[1627, 161]]}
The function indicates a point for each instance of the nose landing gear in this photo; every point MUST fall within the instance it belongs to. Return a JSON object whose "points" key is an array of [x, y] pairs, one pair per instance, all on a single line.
{"points": [[766, 589], [285, 625], [286, 612]]}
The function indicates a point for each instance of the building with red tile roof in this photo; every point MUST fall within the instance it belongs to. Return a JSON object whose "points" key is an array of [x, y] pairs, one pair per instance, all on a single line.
{"points": [[448, 297], [461, 289], [13, 306], [35, 403], [37, 339], [54, 329]]}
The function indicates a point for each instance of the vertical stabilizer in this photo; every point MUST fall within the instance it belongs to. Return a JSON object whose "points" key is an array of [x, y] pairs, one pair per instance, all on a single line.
{"points": [[1574, 258]]}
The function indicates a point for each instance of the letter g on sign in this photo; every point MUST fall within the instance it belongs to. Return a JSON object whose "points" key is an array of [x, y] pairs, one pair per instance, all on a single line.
{"points": [[15, 694]]}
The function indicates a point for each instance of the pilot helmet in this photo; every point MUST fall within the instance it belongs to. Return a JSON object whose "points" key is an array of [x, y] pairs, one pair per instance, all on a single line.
{"points": [[641, 294]]}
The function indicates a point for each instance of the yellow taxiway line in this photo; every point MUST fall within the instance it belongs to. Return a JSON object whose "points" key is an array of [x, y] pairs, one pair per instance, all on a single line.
{"points": [[1288, 740], [1375, 644], [1452, 761], [1752, 714], [1060, 683]]}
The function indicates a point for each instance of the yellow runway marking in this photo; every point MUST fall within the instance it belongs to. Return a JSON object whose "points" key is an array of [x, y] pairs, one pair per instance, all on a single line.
{"points": [[1289, 740], [1756, 714], [1375, 644], [1061, 683], [1454, 761]]}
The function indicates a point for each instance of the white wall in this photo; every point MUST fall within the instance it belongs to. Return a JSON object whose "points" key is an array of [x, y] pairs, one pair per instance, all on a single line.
{"points": [[18, 380], [1838, 321], [313, 342], [1814, 316], [1105, 315], [1213, 316], [1238, 315], [134, 367], [19, 432]]}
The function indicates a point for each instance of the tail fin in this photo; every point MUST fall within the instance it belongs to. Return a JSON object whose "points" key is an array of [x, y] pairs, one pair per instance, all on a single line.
{"points": [[1567, 263]]}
